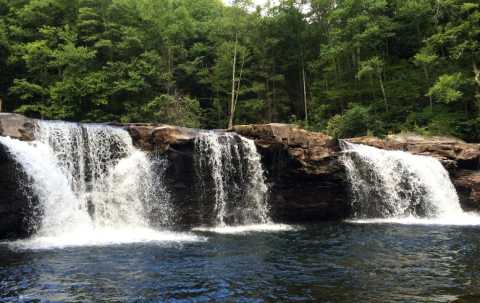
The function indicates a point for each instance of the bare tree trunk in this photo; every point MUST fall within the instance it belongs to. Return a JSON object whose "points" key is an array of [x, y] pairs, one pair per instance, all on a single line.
{"points": [[268, 100], [371, 83], [428, 86], [274, 97], [305, 95], [169, 73], [239, 80], [218, 111], [383, 91], [232, 105], [477, 79]]}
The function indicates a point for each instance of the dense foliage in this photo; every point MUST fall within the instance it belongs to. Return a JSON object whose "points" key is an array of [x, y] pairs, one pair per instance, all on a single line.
{"points": [[345, 67]]}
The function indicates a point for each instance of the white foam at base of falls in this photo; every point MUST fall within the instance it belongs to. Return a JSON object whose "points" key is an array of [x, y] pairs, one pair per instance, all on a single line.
{"points": [[398, 187], [92, 187], [105, 236], [465, 219], [245, 228], [233, 164]]}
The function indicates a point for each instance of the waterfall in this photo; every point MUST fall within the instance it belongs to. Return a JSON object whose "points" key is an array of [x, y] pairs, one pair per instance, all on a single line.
{"points": [[232, 165], [92, 185], [398, 185]]}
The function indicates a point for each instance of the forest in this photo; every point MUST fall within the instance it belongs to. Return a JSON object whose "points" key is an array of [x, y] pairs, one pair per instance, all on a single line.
{"points": [[342, 67]]}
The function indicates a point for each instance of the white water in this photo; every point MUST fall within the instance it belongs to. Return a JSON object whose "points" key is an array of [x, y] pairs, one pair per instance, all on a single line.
{"points": [[93, 187], [233, 165], [245, 228], [398, 187]]}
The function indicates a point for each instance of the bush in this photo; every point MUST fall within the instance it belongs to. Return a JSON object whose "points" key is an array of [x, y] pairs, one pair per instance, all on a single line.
{"points": [[355, 123]]}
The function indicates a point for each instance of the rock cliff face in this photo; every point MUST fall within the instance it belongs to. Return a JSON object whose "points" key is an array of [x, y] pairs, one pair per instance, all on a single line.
{"points": [[16, 211], [306, 177], [302, 169]]}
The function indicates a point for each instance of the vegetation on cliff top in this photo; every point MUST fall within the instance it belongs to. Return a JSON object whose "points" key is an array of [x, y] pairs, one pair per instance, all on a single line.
{"points": [[345, 67]]}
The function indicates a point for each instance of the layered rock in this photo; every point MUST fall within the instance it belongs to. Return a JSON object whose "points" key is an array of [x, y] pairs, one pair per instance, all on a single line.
{"points": [[302, 168]]}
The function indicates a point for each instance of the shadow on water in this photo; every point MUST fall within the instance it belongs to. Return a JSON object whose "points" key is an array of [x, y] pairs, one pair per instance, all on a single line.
{"points": [[328, 262]]}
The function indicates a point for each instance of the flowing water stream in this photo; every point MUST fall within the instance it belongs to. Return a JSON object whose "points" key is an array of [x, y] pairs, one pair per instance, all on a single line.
{"points": [[232, 164], [93, 186], [395, 186]]}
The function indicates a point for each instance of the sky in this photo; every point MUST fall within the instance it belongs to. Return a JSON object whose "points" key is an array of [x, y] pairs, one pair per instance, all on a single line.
{"points": [[256, 2]]}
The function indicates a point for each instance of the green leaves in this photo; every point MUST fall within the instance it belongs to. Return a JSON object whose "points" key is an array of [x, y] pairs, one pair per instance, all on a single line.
{"points": [[446, 88], [171, 61], [372, 66]]}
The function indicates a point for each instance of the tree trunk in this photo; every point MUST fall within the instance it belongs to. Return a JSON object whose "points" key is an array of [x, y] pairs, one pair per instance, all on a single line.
{"points": [[371, 83], [428, 86], [305, 95], [232, 105], [383, 91], [274, 98], [169, 73], [268, 100], [477, 79], [239, 79]]}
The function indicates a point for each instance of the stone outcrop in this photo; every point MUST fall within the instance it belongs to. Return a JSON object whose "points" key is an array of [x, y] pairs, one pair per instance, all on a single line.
{"points": [[306, 177], [302, 170], [17, 127], [467, 184]]}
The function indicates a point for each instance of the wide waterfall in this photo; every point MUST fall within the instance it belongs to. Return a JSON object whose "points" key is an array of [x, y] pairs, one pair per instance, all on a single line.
{"points": [[92, 185], [232, 164], [399, 185]]}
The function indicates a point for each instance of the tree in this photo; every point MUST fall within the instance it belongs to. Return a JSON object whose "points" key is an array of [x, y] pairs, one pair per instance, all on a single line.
{"points": [[374, 66]]}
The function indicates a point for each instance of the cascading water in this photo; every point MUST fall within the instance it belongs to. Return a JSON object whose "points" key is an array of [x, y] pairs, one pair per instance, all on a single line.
{"points": [[233, 165], [92, 185], [399, 185]]}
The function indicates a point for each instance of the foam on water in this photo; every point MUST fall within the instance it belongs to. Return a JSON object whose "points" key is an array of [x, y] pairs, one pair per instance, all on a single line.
{"points": [[466, 219], [246, 228], [105, 236]]}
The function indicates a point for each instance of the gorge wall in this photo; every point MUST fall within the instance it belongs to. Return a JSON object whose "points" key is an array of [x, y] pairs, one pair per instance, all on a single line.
{"points": [[303, 170]]}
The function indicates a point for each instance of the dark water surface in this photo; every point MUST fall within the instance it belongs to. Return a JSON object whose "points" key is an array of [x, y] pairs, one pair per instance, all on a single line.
{"points": [[328, 262]]}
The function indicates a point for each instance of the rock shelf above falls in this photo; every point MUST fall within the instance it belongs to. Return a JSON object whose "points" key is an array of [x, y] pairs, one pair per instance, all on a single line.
{"points": [[302, 169]]}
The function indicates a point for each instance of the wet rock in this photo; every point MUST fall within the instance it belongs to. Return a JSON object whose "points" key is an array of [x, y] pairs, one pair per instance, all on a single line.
{"points": [[302, 169], [467, 184], [17, 202]]}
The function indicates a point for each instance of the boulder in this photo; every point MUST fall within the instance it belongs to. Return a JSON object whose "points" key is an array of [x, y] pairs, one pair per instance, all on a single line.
{"points": [[17, 127]]}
